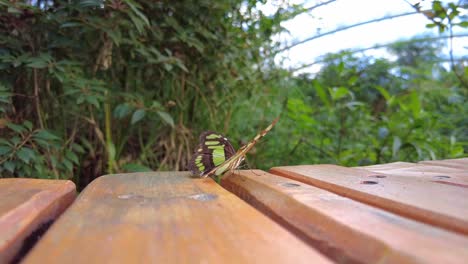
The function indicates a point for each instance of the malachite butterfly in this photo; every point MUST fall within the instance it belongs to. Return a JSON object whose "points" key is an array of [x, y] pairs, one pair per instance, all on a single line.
{"points": [[215, 155]]}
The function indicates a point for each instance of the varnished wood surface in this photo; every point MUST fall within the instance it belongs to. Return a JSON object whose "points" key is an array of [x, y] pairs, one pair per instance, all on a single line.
{"points": [[461, 163], [26, 205], [426, 171], [344, 229], [437, 202], [165, 217]]}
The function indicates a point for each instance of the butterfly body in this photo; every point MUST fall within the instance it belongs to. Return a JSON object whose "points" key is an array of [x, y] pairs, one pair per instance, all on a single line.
{"points": [[215, 155]]}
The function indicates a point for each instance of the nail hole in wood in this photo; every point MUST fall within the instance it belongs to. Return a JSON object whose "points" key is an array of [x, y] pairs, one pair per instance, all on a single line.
{"points": [[290, 184], [369, 182], [378, 176], [441, 177]]}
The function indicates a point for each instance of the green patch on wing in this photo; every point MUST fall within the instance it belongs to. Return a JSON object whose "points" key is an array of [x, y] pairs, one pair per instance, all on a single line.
{"points": [[213, 150]]}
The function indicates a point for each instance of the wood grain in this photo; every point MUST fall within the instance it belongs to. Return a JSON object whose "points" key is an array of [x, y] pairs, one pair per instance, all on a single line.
{"points": [[424, 171], [26, 205], [435, 203], [453, 163], [345, 229], [387, 166], [166, 217]]}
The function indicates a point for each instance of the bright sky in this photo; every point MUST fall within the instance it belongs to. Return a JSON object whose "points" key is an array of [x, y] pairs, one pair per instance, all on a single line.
{"points": [[348, 12]]}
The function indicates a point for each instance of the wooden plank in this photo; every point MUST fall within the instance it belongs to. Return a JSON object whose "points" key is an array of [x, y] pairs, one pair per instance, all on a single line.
{"points": [[452, 163], [166, 217], [426, 172], [27, 208], [344, 229], [388, 166], [443, 205]]}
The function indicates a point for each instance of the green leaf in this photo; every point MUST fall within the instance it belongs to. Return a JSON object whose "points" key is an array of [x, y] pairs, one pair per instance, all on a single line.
{"points": [[71, 156], [37, 64], [70, 24], [46, 135], [338, 93], [138, 18], [77, 148], [14, 10], [25, 154], [53, 161], [181, 66], [415, 104], [68, 165], [6, 94], [80, 99], [457, 151], [463, 24], [137, 12], [122, 110], [93, 100], [4, 150], [137, 116], [322, 94], [384, 92], [15, 140], [156, 105], [10, 166], [442, 28], [43, 143], [167, 118], [28, 125], [437, 6], [134, 167], [453, 14], [5, 142], [17, 128], [90, 3]]}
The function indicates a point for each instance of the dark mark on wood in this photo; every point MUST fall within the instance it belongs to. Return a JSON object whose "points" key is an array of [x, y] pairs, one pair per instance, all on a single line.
{"points": [[31, 240], [452, 184], [377, 176], [369, 182], [442, 177], [290, 184]]}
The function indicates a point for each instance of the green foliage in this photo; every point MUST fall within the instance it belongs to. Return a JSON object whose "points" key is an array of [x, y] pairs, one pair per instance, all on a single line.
{"points": [[360, 111], [94, 87], [444, 16], [125, 85]]}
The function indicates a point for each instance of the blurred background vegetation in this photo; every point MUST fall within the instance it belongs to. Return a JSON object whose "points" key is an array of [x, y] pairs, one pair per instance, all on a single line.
{"points": [[95, 87]]}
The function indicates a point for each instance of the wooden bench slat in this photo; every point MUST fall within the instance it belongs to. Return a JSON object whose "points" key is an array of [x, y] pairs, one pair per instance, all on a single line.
{"points": [[426, 172], [388, 166], [25, 206], [461, 163], [166, 217], [344, 228], [435, 203]]}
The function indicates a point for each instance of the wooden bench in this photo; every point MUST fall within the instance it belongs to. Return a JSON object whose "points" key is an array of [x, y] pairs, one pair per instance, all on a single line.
{"points": [[390, 213]]}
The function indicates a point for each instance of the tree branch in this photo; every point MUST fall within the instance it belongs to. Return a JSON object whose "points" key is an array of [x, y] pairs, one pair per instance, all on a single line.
{"points": [[379, 46], [319, 5], [345, 28]]}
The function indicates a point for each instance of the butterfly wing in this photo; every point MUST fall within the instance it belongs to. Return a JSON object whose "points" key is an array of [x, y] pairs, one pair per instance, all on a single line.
{"points": [[213, 150], [235, 160]]}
